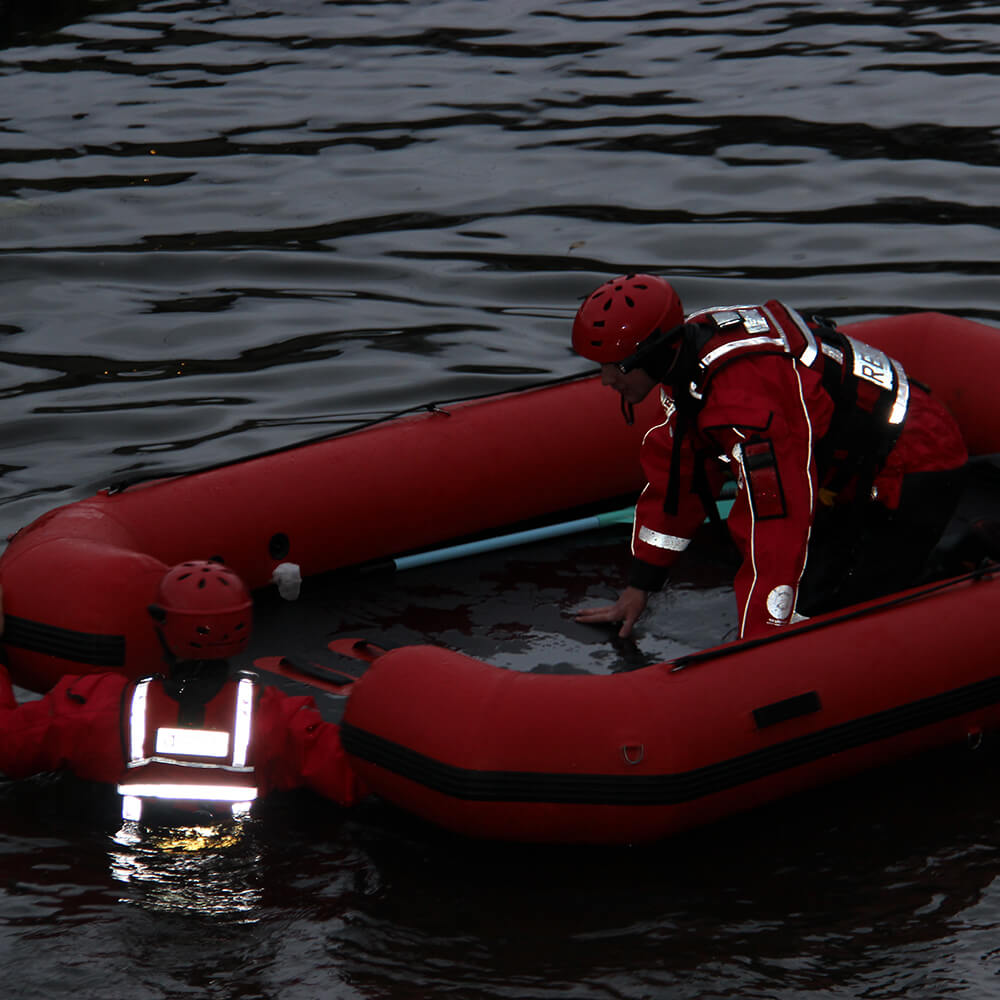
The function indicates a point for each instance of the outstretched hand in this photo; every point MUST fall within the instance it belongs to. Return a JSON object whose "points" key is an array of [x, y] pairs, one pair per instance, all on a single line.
{"points": [[630, 605]]}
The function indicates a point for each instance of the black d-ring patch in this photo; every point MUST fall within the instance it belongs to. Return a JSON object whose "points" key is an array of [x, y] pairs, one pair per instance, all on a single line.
{"points": [[763, 480]]}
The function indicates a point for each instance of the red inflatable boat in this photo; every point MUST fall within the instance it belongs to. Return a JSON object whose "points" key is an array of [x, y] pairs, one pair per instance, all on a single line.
{"points": [[498, 753]]}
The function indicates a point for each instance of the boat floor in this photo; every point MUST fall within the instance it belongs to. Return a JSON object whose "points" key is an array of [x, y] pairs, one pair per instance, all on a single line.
{"points": [[514, 608]]}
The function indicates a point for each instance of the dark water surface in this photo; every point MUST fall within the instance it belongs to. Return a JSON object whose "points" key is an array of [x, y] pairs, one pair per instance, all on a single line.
{"points": [[229, 226]]}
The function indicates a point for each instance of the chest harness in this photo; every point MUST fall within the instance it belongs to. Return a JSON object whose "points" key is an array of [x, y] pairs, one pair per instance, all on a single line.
{"points": [[171, 756], [870, 390]]}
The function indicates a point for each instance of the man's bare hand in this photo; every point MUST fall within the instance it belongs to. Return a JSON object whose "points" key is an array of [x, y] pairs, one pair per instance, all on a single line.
{"points": [[630, 605]]}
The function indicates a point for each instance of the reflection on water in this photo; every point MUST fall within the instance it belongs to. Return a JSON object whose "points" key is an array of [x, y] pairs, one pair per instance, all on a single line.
{"points": [[226, 225], [204, 870]]}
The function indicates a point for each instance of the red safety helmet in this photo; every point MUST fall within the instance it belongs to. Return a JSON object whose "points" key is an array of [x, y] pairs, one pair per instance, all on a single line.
{"points": [[203, 611], [619, 315]]}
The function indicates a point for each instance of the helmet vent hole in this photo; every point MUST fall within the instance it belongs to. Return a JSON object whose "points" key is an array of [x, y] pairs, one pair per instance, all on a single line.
{"points": [[629, 302], [598, 322], [607, 305]]}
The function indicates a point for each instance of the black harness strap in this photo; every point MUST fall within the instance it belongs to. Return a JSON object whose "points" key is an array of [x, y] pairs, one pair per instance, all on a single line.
{"points": [[858, 441]]}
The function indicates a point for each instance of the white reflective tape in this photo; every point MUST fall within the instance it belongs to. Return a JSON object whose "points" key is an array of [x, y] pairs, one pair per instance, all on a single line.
{"points": [[192, 742], [737, 345], [674, 543], [872, 365], [244, 715], [833, 352], [811, 352], [137, 721], [131, 808], [241, 810], [887, 373], [714, 309], [902, 400], [185, 793]]}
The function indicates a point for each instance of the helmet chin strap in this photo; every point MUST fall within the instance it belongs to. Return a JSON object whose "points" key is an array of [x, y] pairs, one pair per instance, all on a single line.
{"points": [[657, 355], [168, 654]]}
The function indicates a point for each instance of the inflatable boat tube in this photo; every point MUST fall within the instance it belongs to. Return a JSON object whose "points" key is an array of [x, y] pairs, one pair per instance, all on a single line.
{"points": [[497, 753]]}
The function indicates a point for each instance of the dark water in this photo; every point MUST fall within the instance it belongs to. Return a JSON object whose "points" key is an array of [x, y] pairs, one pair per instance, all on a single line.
{"points": [[229, 226]]}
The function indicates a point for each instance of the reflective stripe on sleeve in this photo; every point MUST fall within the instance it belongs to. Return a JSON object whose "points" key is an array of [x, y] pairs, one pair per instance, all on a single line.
{"points": [[658, 540]]}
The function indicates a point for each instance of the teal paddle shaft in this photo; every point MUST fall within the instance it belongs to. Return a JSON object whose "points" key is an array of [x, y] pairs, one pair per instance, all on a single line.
{"points": [[623, 516]]}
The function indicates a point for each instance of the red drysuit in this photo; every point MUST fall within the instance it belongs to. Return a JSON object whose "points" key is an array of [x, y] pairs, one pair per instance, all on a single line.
{"points": [[78, 726], [761, 419]]}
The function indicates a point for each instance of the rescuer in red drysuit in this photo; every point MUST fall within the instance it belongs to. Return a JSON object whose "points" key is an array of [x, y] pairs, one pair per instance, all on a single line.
{"points": [[847, 471], [193, 735]]}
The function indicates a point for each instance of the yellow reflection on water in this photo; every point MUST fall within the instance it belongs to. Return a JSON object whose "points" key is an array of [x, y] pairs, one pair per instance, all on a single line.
{"points": [[208, 870]]}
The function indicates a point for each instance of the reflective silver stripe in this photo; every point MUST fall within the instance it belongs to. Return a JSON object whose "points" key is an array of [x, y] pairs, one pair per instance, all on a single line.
{"points": [[834, 352], [742, 484], [735, 345], [902, 400], [195, 742], [873, 365], [715, 309], [185, 792], [137, 722], [738, 345], [244, 715], [674, 543], [811, 352]]}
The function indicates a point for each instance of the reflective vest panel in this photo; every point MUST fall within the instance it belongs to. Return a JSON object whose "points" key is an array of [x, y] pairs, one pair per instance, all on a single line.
{"points": [[183, 763]]}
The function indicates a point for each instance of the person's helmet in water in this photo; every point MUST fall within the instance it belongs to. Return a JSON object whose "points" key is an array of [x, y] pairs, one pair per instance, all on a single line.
{"points": [[622, 313], [203, 611]]}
